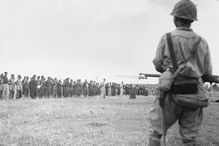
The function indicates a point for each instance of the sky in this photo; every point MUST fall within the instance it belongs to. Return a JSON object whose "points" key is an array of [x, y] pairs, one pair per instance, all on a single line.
{"points": [[93, 39]]}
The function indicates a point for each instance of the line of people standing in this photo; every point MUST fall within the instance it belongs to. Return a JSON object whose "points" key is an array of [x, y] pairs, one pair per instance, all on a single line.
{"points": [[41, 87]]}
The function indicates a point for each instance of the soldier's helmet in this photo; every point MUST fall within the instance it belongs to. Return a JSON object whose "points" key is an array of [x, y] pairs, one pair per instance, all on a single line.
{"points": [[185, 9]]}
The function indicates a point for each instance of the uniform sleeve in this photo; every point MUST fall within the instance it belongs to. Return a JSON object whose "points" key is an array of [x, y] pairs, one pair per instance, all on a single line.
{"points": [[159, 57], [208, 63]]}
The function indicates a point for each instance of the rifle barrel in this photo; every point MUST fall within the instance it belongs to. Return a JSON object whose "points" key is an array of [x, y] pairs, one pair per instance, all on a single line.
{"points": [[206, 78], [149, 75]]}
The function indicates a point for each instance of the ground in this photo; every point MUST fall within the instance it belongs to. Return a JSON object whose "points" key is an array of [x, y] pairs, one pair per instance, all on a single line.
{"points": [[89, 121]]}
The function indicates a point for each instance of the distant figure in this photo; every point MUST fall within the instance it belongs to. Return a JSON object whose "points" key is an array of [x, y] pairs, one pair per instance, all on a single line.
{"points": [[103, 89], [26, 88], [33, 86], [5, 94], [18, 87], [121, 89], [59, 89], [38, 82], [85, 88], [132, 93], [54, 88], [12, 87], [1, 85], [109, 90]]}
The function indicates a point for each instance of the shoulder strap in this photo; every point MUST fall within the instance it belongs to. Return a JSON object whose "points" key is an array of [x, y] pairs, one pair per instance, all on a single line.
{"points": [[171, 50]]}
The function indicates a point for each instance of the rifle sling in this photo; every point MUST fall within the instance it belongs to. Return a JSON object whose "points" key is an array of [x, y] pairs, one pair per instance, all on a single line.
{"points": [[171, 50]]}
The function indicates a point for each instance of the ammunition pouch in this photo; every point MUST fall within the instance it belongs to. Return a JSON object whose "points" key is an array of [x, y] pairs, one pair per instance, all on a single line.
{"points": [[184, 85], [191, 99]]}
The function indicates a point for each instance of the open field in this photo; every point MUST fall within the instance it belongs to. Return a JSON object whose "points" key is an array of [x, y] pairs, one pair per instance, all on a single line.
{"points": [[88, 121]]}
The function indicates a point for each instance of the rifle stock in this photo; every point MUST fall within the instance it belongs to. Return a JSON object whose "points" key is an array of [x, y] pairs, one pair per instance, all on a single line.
{"points": [[205, 78]]}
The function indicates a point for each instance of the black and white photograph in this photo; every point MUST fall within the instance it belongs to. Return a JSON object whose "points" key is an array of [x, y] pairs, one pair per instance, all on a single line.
{"points": [[109, 73]]}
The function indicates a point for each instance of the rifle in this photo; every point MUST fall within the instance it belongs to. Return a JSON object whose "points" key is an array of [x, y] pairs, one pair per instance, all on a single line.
{"points": [[205, 78]]}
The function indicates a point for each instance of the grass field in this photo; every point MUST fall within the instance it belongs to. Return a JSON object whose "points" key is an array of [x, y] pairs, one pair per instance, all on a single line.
{"points": [[88, 121]]}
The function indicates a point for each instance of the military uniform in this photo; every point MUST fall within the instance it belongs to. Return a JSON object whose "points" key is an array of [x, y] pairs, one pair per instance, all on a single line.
{"points": [[33, 87], [54, 89], [1, 86], [11, 87], [103, 89], [183, 39], [19, 88], [59, 89], [85, 89], [5, 92], [26, 88]]}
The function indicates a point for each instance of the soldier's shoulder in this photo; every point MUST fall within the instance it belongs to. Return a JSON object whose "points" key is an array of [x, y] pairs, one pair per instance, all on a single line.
{"points": [[203, 40]]}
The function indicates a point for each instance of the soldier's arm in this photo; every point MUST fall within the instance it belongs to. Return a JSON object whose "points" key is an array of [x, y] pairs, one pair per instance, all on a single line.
{"points": [[208, 63], [158, 60]]}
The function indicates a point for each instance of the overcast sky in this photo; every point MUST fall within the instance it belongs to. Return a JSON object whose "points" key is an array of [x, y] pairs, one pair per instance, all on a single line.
{"points": [[92, 38]]}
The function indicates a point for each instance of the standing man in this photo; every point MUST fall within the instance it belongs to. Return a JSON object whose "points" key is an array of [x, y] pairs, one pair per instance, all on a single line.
{"points": [[55, 88], [59, 89], [1, 85], [48, 86], [103, 89], [121, 89], [5, 91], [33, 87], [18, 87], [12, 87], [184, 39], [26, 89], [38, 82], [85, 88]]}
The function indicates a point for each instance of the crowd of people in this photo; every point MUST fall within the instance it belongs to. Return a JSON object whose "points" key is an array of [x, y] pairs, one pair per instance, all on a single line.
{"points": [[46, 87]]}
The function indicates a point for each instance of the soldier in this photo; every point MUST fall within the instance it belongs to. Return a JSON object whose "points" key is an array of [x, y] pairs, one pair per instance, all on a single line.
{"points": [[103, 89], [74, 88], [5, 92], [99, 88], [68, 87], [113, 89], [33, 86], [91, 88], [41, 87], [94, 88], [26, 88], [55, 88], [59, 89], [121, 89], [116, 90], [1, 85], [110, 89], [18, 87], [64, 87], [183, 38], [106, 88], [71, 87], [12, 87], [48, 86], [38, 82], [85, 88], [132, 92], [79, 88]]}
